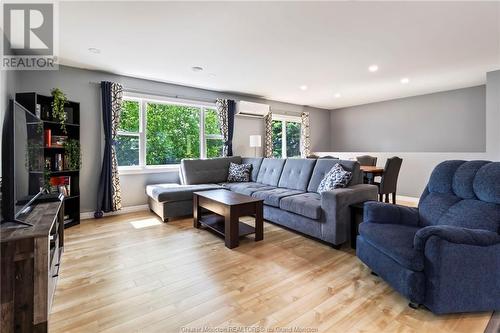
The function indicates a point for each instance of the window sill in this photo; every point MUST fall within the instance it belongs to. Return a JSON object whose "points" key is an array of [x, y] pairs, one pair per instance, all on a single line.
{"points": [[144, 170]]}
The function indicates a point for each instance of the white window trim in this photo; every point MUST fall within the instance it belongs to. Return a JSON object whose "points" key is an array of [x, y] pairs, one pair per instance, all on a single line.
{"points": [[286, 119], [143, 100]]}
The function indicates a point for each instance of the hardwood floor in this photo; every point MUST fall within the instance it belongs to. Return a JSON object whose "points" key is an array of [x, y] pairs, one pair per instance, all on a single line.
{"points": [[133, 273]]}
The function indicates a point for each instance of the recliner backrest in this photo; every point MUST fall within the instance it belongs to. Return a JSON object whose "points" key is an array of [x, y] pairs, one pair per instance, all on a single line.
{"points": [[324, 165], [270, 171], [296, 173], [464, 194]]}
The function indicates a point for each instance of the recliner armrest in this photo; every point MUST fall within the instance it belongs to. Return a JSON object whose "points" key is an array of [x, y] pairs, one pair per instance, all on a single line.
{"points": [[457, 235], [378, 212], [348, 196]]}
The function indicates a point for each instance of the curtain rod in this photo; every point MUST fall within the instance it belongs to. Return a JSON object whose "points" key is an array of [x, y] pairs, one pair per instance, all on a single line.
{"points": [[162, 94]]}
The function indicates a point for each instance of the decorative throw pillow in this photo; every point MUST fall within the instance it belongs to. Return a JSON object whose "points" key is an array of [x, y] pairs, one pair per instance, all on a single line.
{"points": [[239, 172], [337, 177]]}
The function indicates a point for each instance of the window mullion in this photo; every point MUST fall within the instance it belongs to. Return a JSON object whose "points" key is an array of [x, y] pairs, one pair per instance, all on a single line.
{"points": [[203, 143], [142, 136], [283, 139]]}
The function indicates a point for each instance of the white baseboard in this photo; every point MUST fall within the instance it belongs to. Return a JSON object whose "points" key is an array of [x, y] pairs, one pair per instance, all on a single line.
{"points": [[407, 199], [124, 210]]}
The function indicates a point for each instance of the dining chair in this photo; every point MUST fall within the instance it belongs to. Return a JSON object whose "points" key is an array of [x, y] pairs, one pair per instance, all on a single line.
{"points": [[388, 183], [367, 160]]}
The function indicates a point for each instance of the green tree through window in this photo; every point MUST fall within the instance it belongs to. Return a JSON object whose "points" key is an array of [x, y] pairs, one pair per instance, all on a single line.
{"points": [[172, 132]]}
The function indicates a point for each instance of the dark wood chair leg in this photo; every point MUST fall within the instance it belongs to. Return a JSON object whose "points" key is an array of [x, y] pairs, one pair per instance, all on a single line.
{"points": [[394, 198], [386, 198], [380, 197]]}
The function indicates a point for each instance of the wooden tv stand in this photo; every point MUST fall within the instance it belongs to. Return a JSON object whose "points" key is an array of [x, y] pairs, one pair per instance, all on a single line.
{"points": [[30, 258]]}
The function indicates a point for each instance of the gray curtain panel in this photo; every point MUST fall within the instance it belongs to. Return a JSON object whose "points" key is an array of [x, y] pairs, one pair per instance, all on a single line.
{"points": [[268, 136], [305, 135]]}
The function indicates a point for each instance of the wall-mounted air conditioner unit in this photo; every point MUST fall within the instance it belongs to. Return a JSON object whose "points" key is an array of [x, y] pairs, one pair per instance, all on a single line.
{"points": [[251, 109]]}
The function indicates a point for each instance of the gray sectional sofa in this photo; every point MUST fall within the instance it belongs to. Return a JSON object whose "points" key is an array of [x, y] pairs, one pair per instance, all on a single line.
{"points": [[287, 186]]}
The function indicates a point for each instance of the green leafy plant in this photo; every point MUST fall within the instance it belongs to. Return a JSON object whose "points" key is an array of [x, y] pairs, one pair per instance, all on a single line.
{"points": [[46, 180], [58, 103], [73, 154]]}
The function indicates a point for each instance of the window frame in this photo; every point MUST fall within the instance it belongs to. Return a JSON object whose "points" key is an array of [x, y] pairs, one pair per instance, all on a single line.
{"points": [[143, 100], [284, 120]]}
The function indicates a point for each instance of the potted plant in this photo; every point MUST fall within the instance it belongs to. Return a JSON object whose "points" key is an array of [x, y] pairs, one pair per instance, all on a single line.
{"points": [[72, 154], [58, 113]]}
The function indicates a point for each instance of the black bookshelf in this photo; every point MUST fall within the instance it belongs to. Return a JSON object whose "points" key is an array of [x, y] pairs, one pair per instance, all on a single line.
{"points": [[33, 102]]}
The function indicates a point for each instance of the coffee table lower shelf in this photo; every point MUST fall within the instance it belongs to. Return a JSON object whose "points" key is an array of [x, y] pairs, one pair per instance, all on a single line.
{"points": [[216, 223]]}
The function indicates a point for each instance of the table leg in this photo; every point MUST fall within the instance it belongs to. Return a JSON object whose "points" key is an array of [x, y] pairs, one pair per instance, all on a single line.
{"points": [[259, 222], [231, 232], [196, 212]]}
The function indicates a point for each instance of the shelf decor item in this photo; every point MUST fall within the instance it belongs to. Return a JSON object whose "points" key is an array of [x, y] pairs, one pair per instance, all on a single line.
{"points": [[48, 137], [72, 154], [59, 140], [58, 113]]}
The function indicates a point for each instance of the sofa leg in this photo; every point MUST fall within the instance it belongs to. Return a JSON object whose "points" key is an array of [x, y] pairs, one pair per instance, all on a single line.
{"points": [[373, 273], [336, 247], [413, 305]]}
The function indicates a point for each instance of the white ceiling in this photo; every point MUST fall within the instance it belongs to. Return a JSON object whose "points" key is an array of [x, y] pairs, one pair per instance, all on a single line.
{"points": [[270, 49]]}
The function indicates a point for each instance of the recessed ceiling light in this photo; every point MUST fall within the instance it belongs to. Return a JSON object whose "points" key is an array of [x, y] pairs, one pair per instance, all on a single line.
{"points": [[197, 68], [405, 80], [94, 50], [337, 95], [303, 87], [373, 68]]}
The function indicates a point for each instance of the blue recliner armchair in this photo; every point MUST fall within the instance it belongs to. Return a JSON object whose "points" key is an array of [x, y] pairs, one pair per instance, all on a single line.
{"points": [[445, 254]]}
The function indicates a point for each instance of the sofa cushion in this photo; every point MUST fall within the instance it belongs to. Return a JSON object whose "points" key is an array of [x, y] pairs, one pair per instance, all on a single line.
{"points": [[306, 204], [395, 241], [296, 173], [270, 171], [273, 197], [324, 165], [247, 188], [239, 172], [176, 192], [206, 171], [255, 162], [337, 177]]}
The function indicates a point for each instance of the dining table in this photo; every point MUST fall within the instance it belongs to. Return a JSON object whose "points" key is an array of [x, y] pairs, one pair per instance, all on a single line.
{"points": [[370, 172]]}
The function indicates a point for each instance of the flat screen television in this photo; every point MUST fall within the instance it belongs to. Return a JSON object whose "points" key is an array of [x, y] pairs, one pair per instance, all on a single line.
{"points": [[22, 162]]}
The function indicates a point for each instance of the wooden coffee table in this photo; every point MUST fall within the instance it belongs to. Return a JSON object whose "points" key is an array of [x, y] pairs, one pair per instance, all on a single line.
{"points": [[228, 208]]}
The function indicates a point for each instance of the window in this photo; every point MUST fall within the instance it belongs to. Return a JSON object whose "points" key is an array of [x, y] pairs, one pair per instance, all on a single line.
{"points": [[286, 136], [156, 132], [128, 136]]}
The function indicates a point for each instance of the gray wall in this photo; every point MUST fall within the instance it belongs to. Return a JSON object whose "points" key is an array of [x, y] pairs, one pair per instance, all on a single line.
{"points": [[418, 165], [76, 84], [450, 121]]}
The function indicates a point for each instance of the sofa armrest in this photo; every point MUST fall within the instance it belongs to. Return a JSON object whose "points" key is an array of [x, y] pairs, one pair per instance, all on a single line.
{"points": [[457, 235], [378, 212], [348, 196], [337, 213]]}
